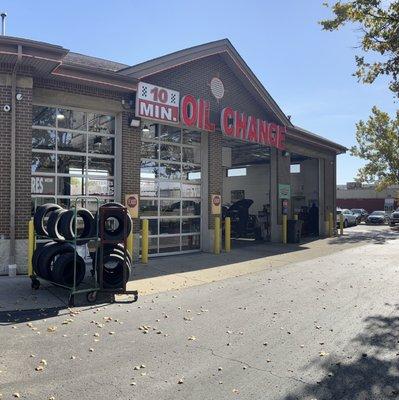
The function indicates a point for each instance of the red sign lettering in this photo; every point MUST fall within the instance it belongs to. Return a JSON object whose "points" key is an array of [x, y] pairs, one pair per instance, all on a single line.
{"points": [[238, 125]]}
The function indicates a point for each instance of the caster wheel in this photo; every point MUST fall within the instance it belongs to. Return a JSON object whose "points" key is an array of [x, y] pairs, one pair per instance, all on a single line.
{"points": [[135, 297], [35, 284], [91, 297], [71, 302]]}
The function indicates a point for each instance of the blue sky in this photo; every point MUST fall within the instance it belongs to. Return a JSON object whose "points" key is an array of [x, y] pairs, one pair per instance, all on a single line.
{"points": [[306, 70]]}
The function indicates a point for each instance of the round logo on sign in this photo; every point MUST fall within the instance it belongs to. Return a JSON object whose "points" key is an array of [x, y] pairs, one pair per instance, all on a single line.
{"points": [[132, 202], [216, 200], [217, 88]]}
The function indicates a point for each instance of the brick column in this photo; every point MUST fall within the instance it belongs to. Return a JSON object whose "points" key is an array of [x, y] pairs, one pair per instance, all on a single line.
{"points": [[215, 171], [23, 162], [5, 168], [131, 147]]}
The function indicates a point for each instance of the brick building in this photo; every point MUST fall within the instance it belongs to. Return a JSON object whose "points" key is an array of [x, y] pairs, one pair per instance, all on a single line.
{"points": [[176, 130], [356, 195]]}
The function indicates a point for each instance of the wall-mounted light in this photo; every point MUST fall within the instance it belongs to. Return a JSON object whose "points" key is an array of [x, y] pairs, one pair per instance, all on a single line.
{"points": [[60, 117], [145, 129], [134, 123], [285, 153]]}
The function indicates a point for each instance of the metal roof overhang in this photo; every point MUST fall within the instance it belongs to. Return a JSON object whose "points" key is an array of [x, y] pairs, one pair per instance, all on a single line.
{"points": [[46, 61]]}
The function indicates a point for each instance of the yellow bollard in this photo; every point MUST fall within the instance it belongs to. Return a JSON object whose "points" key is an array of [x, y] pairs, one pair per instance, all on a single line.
{"points": [[129, 243], [296, 217], [341, 224], [216, 239], [284, 228], [227, 234], [144, 242], [31, 246], [330, 225]]}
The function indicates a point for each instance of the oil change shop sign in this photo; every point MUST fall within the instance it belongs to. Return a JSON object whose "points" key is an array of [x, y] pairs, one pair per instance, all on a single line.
{"points": [[164, 105]]}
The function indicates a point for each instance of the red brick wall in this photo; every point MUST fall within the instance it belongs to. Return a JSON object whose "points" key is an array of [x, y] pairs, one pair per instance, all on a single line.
{"points": [[369, 205]]}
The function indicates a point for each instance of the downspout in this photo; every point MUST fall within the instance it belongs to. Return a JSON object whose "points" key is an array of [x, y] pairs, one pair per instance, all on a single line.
{"points": [[12, 256]]}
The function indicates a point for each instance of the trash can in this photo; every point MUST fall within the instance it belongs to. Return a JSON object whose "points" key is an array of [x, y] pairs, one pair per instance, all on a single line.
{"points": [[294, 228]]}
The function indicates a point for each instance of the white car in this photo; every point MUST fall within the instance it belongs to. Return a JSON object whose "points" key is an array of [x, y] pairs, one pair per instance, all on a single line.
{"points": [[350, 219]]}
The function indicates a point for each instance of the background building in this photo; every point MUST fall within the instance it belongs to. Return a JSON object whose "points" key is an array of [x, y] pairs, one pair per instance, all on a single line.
{"points": [[357, 195]]}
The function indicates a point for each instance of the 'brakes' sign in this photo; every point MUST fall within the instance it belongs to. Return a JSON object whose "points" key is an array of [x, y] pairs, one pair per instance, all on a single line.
{"points": [[157, 103]]}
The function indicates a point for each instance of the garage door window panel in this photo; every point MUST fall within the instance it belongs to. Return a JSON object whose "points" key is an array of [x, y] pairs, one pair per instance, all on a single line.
{"points": [[43, 162], [100, 144], [43, 116], [43, 139], [72, 142]]}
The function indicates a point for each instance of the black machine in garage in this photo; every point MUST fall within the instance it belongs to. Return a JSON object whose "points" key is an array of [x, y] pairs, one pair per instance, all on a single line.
{"points": [[243, 224]]}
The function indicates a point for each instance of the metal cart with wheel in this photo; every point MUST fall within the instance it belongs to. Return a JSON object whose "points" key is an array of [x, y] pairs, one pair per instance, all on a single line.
{"points": [[94, 283]]}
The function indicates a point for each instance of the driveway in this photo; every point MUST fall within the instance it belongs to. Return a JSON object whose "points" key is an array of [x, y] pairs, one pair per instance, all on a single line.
{"points": [[325, 327]]}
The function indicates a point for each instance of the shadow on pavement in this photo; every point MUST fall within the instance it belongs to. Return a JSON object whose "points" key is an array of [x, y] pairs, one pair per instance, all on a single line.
{"points": [[378, 235], [242, 251], [13, 317], [368, 376]]}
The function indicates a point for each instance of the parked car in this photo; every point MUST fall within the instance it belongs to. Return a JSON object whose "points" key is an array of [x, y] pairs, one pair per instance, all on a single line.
{"points": [[349, 218], [377, 217], [361, 214], [394, 218]]}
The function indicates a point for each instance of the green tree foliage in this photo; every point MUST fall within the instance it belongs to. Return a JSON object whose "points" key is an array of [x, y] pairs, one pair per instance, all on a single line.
{"points": [[378, 144], [379, 26]]}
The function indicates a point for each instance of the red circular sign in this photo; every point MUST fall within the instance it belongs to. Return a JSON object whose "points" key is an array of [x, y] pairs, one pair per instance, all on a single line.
{"points": [[216, 200], [131, 201]]}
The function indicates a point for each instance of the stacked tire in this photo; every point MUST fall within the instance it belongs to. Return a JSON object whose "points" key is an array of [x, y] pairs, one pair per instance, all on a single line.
{"points": [[117, 265], [115, 225], [55, 260]]}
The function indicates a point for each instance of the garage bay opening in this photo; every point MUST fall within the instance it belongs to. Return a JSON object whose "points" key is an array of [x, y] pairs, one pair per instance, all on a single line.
{"points": [[246, 190]]}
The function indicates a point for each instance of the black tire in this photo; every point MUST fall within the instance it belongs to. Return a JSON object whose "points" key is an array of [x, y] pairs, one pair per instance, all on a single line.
{"points": [[48, 255], [36, 255], [123, 219], [63, 269], [91, 296], [52, 224], [116, 248], [346, 223], [66, 225], [35, 284], [114, 266], [40, 214]]}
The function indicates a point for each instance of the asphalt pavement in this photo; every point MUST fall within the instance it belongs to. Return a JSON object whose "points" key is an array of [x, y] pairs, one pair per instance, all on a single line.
{"points": [[325, 328]]}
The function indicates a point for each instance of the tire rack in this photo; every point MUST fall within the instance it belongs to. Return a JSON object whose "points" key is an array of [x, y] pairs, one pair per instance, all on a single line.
{"points": [[104, 213], [97, 283]]}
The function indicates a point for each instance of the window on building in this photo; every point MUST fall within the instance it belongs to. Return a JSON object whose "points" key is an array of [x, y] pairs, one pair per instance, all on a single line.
{"points": [[232, 172], [295, 168], [73, 154], [170, 187]]}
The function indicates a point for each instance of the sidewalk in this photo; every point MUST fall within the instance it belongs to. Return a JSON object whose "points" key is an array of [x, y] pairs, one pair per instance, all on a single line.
{"points": [[178, 272]]}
